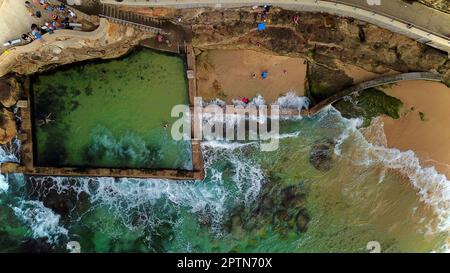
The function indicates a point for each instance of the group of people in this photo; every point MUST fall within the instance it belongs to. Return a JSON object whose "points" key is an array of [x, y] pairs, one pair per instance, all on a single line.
{"points": [[59, 17], [56, 17], [264, 15], [163, 39]]}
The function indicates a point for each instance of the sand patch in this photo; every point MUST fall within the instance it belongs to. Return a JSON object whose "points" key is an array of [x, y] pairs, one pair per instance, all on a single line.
{"points": [[360, 75], [425, 123], [14, 20], [228, 75]]}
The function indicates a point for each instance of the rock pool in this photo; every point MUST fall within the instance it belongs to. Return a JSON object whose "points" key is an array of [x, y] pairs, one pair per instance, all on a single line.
{"points": [[113, 113]]}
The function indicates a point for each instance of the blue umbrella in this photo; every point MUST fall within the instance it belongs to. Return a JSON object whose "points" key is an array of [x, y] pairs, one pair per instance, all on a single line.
{"points": [[261, 26], [264, 74]]}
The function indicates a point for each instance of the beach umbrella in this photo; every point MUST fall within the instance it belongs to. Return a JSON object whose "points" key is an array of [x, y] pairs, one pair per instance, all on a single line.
{"points": [[261, 26], [264, 74]]}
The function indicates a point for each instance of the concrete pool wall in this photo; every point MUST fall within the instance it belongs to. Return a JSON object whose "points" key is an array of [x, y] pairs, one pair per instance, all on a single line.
{"points": [[29, 166]]}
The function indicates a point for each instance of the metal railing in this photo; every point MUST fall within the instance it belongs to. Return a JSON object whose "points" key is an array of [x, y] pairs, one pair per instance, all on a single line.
{"points": [[133, 24], [375, 12], [141, 22]]}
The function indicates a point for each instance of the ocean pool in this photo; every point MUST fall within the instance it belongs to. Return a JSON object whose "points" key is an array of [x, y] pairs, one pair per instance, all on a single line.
{"points": [[113, 113]]}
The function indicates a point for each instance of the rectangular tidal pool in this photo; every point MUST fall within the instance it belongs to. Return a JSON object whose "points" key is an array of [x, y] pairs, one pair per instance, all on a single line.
{"points": [[114, 114]]}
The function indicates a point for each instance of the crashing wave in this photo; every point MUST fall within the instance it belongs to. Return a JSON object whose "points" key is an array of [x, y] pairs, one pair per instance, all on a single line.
{"points": [[4, 186], [43, 222], [147, 203], [8, 153], [292, 101]]}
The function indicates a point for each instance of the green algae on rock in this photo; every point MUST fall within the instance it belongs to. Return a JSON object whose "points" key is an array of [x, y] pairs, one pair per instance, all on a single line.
{"points": [[369, 104]]}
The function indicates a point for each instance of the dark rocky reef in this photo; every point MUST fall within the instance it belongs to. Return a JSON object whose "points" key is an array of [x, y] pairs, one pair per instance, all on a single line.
{"points": [[280, 206], [321, 156], [39, 245]]}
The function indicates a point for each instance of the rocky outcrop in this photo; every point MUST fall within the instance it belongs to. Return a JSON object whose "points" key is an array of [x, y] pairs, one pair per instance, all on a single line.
{"points": [[109, 40], [321, 38], [447, 78], [321, 156], [9, 91], [9, 94], [68, 204], [284, 206], [443, 5], [324, 82], [8, 129], [38, 245]]}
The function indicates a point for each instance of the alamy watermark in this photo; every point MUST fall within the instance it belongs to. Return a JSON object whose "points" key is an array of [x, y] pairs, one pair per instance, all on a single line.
{"points": [[231, 122], [374, 247], [73, 247]]}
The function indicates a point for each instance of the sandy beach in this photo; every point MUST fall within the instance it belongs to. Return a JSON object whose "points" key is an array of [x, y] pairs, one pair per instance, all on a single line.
{"points": [[424, 125], [425, 119], [228, 75]]}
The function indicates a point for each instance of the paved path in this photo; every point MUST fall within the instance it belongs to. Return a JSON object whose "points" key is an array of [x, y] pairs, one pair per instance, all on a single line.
{"points": [[429, 26], [420, 15], [374, 83]]}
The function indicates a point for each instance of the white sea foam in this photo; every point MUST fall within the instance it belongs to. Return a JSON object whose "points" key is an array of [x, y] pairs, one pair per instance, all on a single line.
{"points": [[233, 145], [352, 126], [432, 187], [248, 175], [4, 186], [292, 101], [258, 101], [8, 153], [42, 220], [228, 145], [237, 102], [217, 102], [148, 203]]}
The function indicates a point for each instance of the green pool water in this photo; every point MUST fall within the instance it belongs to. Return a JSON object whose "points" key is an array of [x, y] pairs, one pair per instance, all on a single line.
{"points": [[112, 113]]}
